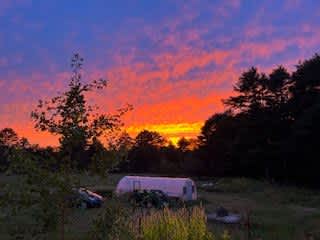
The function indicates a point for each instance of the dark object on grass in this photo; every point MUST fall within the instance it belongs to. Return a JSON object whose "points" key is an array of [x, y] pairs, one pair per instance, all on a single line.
{"points": [[221, 215], [222, 212], [149, 198], [84, 198]]}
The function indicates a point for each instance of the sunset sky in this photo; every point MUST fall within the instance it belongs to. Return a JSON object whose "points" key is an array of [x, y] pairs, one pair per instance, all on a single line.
{"points": [[173, 60]]}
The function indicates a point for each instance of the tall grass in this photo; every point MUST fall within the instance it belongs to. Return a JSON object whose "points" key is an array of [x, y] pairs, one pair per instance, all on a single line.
{"points": [[183, 224]]}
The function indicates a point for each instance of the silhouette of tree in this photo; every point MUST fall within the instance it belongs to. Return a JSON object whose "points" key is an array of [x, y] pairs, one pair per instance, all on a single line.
{"points": [[216, 141], [69, 116], [302, 148], [9, 137], [277, 86], [306, 85], [183, 144], [24, 143], [99, 160], [250, 88], [149, 138], [145, 155], [125, 141], [9, 141], [270, 130], [301, 144]]}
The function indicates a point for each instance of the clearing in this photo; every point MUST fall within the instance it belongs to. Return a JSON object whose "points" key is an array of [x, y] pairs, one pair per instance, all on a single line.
{"points": [[276, 212]]}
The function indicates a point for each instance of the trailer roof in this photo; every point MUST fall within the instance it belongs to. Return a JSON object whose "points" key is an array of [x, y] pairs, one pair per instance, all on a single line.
{"points": [[157, 178]]}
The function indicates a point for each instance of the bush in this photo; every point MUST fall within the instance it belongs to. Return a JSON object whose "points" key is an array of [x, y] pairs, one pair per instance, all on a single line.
{"points": [[112, 223], [117, 222], [183, 224]]}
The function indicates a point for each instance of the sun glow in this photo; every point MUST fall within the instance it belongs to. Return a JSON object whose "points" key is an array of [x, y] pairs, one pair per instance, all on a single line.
{"points": [[172, 132]]}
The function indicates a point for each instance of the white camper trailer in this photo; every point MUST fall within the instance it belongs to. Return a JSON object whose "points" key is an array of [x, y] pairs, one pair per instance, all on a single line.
{"points": [[183, 188]]}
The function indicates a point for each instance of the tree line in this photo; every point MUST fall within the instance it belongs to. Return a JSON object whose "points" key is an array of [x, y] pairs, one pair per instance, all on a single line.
{"points": [[269, 130], [270, 127]]}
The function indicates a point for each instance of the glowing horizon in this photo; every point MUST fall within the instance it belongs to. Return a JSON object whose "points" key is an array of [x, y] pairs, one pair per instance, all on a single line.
{"points": [[171, 132]]}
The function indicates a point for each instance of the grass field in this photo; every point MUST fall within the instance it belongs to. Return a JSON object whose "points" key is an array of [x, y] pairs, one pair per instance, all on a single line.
{"points": [[276, 212]]}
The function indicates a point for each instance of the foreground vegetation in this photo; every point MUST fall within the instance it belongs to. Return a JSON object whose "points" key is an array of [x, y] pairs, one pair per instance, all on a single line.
{"points": [[175, 225], [275, 212]]}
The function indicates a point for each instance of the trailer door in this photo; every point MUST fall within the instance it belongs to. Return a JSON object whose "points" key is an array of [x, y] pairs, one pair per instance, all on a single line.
{"points": [[189, 192], [136, 185]]}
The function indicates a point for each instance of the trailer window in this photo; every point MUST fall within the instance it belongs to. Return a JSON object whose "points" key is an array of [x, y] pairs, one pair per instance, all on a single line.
{"points": [[184, 190]]}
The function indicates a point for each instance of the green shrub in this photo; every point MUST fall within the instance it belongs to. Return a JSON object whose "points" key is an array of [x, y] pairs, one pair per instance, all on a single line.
{"points": [[112, 223], [183, 224]]}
